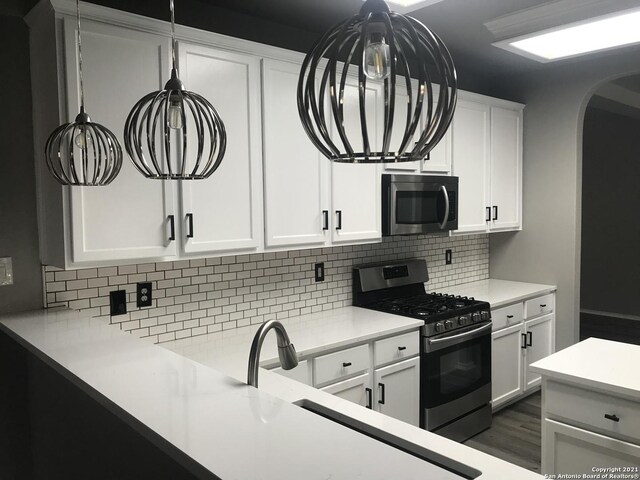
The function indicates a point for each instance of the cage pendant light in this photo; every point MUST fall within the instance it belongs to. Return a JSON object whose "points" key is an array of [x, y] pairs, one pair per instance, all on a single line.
{"points": [[173, 133], [385, 48], [83, 153]]}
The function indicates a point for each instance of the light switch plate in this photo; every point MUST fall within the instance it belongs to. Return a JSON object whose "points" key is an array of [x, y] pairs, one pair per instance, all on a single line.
{"points": [[6, 271]]}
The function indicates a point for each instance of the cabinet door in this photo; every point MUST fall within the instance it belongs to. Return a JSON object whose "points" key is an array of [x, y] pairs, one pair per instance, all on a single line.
{"points": [[471, 164], [506, 169], [128, 219], [540, 344], [296, 174], [399, 127], [506, 364], [356, 194], [356, 390], [571, 450], [439, 160], [226, 208], [397, 391]]}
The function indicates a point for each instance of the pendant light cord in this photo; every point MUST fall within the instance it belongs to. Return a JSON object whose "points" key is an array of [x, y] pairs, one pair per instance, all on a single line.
{"points": [[80, 56], [173, 35]]}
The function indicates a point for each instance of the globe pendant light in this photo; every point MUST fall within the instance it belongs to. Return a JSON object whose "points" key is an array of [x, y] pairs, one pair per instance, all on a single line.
{"points": [[380, 46], [175, 134], [83, 153]]}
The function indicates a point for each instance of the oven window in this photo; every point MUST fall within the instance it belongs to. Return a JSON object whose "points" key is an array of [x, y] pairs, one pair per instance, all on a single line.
{"points": [[460, 368], [419, 207]]}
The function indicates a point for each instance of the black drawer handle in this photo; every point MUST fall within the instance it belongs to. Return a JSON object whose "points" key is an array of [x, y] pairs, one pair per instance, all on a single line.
{"points": [[488, 218], [172, 224], [338, 219], [509, 316], [369, 393], [346, 364], [495, 212], [325, 219], [381, 401], [190, 224], [613, 418], [402, 348]]}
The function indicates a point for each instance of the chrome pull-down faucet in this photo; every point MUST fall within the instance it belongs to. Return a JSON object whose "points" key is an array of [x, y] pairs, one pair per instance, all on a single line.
{"points": [[286, 350]]}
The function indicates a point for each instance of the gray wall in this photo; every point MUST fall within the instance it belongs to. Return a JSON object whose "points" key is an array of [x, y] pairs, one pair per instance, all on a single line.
{"points": [[548, 248], [18, 227], [610, 274]]}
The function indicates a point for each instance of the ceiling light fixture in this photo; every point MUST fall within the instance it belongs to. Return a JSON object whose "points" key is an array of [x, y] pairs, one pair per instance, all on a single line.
{"points": [[83, 153], [593, 35], [175, 134], [381, 46]]}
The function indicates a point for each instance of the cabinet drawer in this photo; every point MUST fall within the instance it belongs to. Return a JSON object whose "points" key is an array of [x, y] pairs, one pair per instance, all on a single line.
{"points": [[539, 306], [345, 363], [589, 408], [396, 348], [300, 373], [506, 316]]}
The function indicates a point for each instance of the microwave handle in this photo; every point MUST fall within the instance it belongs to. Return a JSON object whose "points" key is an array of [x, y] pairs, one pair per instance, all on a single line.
{"points": [[443, 189]]}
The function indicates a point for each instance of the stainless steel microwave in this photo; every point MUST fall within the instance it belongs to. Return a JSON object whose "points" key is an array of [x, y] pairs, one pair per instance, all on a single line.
{"points": [[418, 204]]}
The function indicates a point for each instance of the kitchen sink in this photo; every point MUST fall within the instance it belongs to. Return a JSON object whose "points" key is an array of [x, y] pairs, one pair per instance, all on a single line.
{"points": [[457, 468]]}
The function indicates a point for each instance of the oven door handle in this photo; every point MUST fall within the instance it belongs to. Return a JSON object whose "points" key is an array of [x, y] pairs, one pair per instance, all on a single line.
{"points": [[443, 189], [438, 343]]}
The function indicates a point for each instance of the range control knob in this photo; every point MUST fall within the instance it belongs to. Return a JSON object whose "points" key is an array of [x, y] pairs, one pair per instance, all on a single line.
{"points": [[448, 324], [439, 327], [476, 317], [463, 319], [485, 315]]}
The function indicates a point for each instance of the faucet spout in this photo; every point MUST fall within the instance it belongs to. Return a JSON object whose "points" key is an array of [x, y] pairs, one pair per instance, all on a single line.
{"points": [[286, 350]]}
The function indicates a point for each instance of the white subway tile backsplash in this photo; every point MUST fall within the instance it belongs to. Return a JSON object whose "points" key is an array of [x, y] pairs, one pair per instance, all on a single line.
{"points": [[195, 297]]}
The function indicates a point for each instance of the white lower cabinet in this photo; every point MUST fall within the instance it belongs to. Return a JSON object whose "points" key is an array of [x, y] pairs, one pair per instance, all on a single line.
{"points": [[356, 390], [571, 450], [397, 391], [301, 373], [516, 343]]}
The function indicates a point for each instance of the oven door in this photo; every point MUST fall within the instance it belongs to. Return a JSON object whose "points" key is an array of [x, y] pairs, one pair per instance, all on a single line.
{"points": [[455, 365], [421, 207]]}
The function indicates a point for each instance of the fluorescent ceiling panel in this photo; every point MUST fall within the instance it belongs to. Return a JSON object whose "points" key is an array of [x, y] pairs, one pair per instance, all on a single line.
{"points": [[596, 34]]}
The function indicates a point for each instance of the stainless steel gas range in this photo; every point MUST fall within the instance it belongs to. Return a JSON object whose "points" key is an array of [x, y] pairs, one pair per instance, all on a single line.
{"points": [[455, 367]]}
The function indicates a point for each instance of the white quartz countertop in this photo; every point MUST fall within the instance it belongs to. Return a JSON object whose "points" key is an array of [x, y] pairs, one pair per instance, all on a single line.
{"points": [[233, 430], [500, 292], [595, 363]]}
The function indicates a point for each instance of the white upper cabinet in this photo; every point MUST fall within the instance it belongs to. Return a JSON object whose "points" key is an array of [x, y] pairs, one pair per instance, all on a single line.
{"points": [[439, 159], [296, 174], [487, 157], [399, 127], [130, 218], [356, 188], [224, 212], [506, 168], [471, 139]]}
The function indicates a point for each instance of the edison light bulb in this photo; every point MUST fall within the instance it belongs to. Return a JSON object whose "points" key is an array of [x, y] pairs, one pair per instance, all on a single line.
{"points": [[377, 58], [175, 113], [82, 139]]}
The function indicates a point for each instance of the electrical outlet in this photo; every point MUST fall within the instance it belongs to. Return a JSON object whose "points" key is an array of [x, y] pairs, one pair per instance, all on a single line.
{"points": [[6, 271], [143, 295], [319, 269], [448, 256], [118, 302]]}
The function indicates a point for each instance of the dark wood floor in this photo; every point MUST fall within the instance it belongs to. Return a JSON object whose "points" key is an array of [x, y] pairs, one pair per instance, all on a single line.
{"points": [[514, 435]]}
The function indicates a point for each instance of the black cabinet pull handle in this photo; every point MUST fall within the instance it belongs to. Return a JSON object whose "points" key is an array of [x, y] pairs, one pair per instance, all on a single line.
{"points": [[172, 225], [402, 348], [346, 364], [613, 418], [338, 219], [488, 219], [495, 212], [369, 393], [509, 316], [524, 341], [529, 339], [325, 219], [381, 386], [190, 223], [542, 306]]}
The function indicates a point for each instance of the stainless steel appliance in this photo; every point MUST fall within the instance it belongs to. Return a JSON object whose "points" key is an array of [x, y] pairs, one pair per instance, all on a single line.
{"points": [[418, 204], [455, 365]]}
